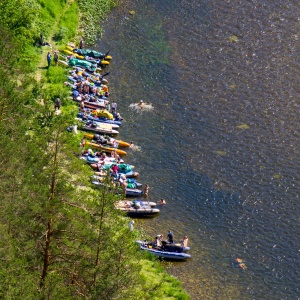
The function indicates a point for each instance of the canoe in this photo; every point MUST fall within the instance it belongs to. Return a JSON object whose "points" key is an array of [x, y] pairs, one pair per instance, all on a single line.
{"points": [[143, 211], [105, 148], [89, 104], [85, 73], [95, 137], [123, 168], [127, 203], [103, 128], [133, 192], [99, 119], [128, 191], [94, 159], [88, 52], [128, 175], [164, 252], [100, 62], [75, 54], [130, 181], [98, 123]]}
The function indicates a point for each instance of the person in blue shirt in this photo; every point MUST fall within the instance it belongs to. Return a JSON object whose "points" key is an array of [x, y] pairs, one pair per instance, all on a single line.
{"points": [[49, 58]]}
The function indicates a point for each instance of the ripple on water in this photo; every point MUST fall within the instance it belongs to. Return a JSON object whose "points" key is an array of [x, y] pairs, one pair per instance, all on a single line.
{"points": [[221, 141]]}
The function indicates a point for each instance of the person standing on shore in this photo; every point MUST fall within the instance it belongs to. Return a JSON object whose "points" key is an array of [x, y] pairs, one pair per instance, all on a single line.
{"points": [[49, 58], [114, 107], [57, 104], [81, 43], [131, 225], [55, 58]]}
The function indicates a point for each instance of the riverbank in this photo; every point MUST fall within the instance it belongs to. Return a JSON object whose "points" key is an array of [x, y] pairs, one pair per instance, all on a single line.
{"points": [[52, 87]]}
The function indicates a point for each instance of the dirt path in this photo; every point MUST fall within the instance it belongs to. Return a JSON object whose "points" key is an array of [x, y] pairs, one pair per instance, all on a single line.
{"points": [[41, 68]]}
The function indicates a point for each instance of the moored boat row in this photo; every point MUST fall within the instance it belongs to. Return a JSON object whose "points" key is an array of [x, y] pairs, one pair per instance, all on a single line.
{"points": [[101, 123]]}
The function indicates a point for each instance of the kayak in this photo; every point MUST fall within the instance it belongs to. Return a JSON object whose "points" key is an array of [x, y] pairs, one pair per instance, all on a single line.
{"points": [[125, 169], [141, 211], [103, 128], [99, 119], [88, 52], [127, 203], [106, 148], [96, 137], [106, 172], [86, 58], [89, 104], [94, 160], [128, 191], [97, 123], [130, 181]]}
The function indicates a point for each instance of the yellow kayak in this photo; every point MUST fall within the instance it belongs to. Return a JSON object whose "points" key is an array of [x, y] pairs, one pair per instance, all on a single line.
{"points": [[121, 143], [106, 148], [103, 62], [74, 54]]}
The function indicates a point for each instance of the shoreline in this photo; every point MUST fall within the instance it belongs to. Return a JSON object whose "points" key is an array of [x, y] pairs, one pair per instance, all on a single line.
{"points": [[58, 46]]}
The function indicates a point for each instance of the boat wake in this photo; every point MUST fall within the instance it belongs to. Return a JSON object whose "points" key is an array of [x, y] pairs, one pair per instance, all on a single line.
{"points": [[136, 148], [138, 107]]}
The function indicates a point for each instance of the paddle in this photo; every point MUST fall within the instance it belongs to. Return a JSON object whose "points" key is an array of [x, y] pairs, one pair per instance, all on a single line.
{"points": [[105, 74], [106, 53]]}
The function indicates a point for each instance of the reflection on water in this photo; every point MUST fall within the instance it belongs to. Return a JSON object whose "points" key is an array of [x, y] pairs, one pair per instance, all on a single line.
{"points": [[221, 144]]}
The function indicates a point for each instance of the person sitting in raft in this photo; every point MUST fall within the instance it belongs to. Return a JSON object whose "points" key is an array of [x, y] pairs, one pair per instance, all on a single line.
{"points": [[161, 202], [116, 156], [118, 117], [170, 237], [156, 242], [160, 237], [100, 165], [115, 170]]}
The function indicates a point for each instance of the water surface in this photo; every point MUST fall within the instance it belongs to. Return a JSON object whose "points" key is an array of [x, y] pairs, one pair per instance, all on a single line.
{"points": [[221, 144]]}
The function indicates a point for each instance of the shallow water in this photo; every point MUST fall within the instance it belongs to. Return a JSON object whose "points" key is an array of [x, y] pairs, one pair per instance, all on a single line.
{"points": [[221, 142]]}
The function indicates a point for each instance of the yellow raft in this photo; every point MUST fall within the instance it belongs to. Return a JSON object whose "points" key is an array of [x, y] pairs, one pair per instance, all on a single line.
{"points": [[106, 148], [103, 113], [120, 142]]}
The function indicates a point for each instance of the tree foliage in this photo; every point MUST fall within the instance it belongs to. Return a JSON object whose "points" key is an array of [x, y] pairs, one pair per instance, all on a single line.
{"points": [[60, 237]]}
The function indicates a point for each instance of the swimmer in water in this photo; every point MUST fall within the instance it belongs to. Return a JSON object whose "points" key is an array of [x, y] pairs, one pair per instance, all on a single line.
{"points": [[161, 202], [141, 104], [240, 263]]}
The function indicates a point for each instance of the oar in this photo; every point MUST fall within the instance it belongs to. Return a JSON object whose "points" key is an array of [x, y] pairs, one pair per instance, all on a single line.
{"points": [[105, 74], [106, 53]]}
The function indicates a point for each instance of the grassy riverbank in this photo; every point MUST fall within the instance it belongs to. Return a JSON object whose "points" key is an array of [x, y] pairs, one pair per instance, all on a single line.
{"points": [[61, 239]]}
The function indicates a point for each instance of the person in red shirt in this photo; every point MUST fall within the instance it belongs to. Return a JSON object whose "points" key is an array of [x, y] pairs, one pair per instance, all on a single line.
{"points": [[115, 169]]}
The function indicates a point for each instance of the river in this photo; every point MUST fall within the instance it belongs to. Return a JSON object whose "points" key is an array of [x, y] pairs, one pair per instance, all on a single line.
{"points": [[221, 143]]}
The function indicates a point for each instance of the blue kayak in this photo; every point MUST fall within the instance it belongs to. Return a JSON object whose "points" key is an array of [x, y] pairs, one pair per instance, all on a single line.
{"points": [[98, 119]]}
